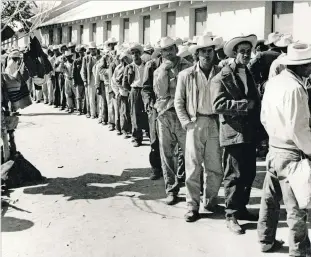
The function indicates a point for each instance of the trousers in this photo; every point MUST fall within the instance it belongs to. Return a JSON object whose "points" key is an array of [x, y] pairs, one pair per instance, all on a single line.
{"points": [[90, 92], [125, 118], [50, 85], [80, 97], [70, 93], [103, 108], [171, 134], [62, 90], [57, 90], [276, 187], [203, 147], [111, 112]]}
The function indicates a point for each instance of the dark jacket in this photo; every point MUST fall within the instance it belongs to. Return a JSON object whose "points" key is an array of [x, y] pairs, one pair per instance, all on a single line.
{"points": [[238, 123], [77, 65], [147, 92]]}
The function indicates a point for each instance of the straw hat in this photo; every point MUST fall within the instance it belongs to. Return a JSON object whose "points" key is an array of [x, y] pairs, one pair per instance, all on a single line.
{"points": [[284, 41], [297, 54], [68, 53], [61, 46], [136, 46], [92, 45], [229, 46], [183, 51], [148, 47], [272, 38], [55, 47], [205, 41], [166, 42], [221, 44], [70, 44], [111, 40]]}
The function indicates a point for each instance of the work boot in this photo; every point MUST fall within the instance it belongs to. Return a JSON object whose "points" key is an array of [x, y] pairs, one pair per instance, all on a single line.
{"points": [[270, 248], [171, 199], [192, 216], [88, 116], [136, 144], [126, 135], [100, 120], [92, 117], [234, 226], [105, 123], [111, 128], [119, 133]]}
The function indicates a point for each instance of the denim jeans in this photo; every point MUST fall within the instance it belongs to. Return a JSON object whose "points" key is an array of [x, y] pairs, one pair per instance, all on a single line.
{"points": [[202, 147], [125, 118], [80, 97], [102, 99], [170, 134], [154, 155], [276, 187]]}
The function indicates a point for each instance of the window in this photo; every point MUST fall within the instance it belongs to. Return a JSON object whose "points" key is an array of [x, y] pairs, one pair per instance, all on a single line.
{"points": [[146, 29], [60, 35], [171, 24], [200, 21], [69, 34], [283, 16], [51, 35], [93, 35], [108, 29], [126, 30], [81, 34]]}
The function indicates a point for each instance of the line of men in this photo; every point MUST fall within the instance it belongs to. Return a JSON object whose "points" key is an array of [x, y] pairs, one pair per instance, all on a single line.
{"points": [[202, 100]]}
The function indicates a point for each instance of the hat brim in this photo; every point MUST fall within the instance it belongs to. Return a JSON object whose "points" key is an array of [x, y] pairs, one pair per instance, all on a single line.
{"points": [[229, 46], [184, 54], [169, 45], [286, 61], [140, 49], [194, 48]]}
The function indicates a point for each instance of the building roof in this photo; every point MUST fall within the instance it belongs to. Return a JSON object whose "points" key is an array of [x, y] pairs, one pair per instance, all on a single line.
{"points": [[99, 8]]}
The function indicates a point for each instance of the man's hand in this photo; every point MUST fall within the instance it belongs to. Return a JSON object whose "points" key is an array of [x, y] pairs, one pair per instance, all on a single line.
{"points": [[251, 104]]}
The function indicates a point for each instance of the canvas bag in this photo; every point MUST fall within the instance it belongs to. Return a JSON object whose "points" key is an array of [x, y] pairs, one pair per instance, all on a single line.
{"points": [[299, 178]]}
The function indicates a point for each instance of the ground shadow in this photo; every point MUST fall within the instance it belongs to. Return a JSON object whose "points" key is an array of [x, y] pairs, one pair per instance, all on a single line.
{"points": [[11, 224], [132, 183], [45, 114]]}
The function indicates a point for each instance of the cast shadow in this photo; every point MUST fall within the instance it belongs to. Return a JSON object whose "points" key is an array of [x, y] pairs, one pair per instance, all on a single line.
{"points": [[45, 114], [11, 224]]}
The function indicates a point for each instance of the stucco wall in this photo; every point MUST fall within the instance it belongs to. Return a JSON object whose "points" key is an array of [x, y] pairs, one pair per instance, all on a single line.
{"points": [[302, 21]]}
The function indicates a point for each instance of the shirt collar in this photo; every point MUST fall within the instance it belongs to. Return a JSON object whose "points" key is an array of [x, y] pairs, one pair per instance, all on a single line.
{"points": [[199, 70]]}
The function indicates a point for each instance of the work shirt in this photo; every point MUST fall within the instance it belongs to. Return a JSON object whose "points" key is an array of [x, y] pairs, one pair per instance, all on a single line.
{"points": [[242, 75], [117, 79], [285, 113], [68, 70], [139, 75], [59, 63]]}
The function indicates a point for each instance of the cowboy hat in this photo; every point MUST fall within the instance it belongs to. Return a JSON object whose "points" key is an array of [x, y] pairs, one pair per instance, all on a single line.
{"points": [[178, 41], [136, 46], [68, 53], [284, 41], [297, 54], [204, 41], [148, 47], [111, 40], [165, 42], [80, 48], [183, 51], [92, 45], [221, 44], [61, 46], [15, 54], [272, 38], [229, 46], [124, 54], [55, 47], [70, 44]]}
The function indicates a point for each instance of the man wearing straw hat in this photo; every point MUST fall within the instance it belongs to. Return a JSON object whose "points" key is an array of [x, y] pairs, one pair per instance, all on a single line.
{"points": [[170, 130], [193, 106], [88, 77], [236, 99], [148, 51], [286, 116], [69, 85]]}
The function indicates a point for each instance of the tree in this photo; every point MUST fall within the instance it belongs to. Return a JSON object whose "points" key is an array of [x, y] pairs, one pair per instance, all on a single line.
{"points": [[17, 14]]}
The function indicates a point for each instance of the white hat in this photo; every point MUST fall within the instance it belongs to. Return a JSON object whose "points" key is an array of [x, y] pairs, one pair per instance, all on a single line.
{"points": [[183, 51], [297, 54], [178, 41], [55, 47], [272, 38], [166, 42], [111, 40], [221, 45], [61, 46], [92, 45], [148, 47], [204, 41], [229, 46], [195, 39], [124, 54], [15, 54], [136, 46], [284, 41], [68, 53], [71, 44]]}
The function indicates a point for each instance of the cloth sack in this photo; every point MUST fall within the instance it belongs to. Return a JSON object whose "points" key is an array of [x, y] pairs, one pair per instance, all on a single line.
{"points": [[299, 178]]}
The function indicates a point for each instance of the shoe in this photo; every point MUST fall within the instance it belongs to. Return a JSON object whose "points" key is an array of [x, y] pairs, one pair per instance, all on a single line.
{"points": [[246, 215], [100, 121], [234, 226], [50, 103], [105, 123], [112, 128], [55, 106], [71, 111], [137, 144], [119, 133], [79, 113], [93, 117], [46, 102], [88, 116], [214, 208], [126, 136], [38, 101], [132, 140], [270, 248], [155, 175], [62, 108], [171, 199], [192, 216]]}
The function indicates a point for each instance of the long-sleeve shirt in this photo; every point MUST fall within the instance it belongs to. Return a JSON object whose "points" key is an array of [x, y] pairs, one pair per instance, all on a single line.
{"points": [[117, 79], [285, 113]]}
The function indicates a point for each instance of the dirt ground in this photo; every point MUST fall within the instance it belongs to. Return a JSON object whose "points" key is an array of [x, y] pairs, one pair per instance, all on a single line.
{"points": [[98, 200]]}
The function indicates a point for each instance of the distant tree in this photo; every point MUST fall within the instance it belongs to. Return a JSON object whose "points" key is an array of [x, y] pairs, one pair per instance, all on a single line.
{"points": [[17, 14]]}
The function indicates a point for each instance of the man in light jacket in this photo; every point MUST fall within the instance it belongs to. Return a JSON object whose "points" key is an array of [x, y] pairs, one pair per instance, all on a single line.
{"points": [[285, 115], [170, 130], [194, 108]]}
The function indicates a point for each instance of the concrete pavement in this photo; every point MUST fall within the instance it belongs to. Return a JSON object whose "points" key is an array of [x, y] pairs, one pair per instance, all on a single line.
{"points": [[98, 200]]}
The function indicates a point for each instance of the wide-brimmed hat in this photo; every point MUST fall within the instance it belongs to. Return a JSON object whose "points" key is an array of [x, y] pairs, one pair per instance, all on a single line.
{"points": [[80, 48], [205, 41], [272, 38], [229, 46], [136, 46], [221, 44], [15, 54], [297, 54], [112, 40], [284, 41], [165, 42], [148, 47], [70, 44], [124, 54], [68, 53], [183, 51], [92, 45]]}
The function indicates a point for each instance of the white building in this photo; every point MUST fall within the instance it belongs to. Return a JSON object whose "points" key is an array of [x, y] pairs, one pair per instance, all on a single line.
{"points": [[147, 21]]}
